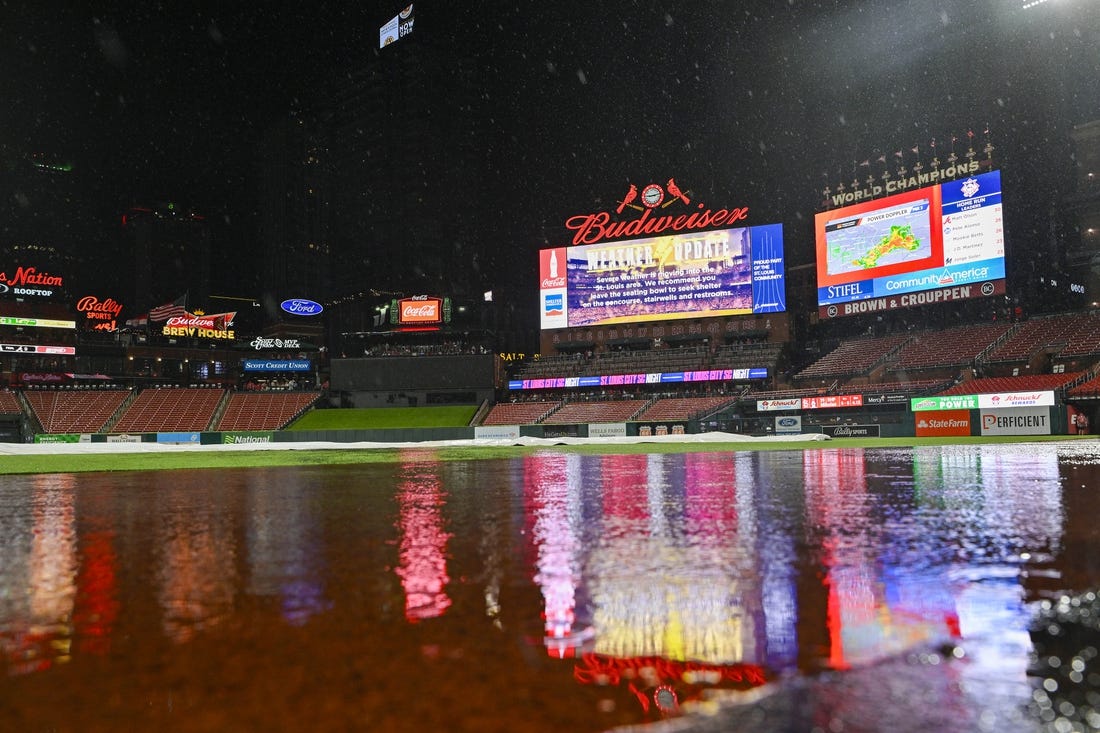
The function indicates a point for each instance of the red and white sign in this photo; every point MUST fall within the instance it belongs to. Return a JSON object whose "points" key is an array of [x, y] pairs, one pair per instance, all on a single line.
{"points": [[552, 268], [1016, 399], [420, 310], [651, 201], [791, 403], [830, 401], [943, 422]]}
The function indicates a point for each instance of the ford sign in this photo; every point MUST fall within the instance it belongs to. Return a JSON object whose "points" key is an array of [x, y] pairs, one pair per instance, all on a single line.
{"points": [[301, 307]]}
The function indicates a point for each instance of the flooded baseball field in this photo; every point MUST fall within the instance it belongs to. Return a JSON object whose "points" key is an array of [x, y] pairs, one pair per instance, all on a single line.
{"points": [[837, 589]]}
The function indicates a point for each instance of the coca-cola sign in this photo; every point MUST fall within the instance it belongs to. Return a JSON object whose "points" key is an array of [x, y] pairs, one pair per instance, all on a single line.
{"points": [[301, 307], [420, 310]]}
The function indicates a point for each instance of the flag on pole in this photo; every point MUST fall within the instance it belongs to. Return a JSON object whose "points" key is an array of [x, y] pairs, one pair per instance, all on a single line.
{"points": [[175, 309]]}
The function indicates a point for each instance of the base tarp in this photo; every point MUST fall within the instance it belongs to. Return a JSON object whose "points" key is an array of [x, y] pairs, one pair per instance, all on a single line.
{"points": [[38, 449]]}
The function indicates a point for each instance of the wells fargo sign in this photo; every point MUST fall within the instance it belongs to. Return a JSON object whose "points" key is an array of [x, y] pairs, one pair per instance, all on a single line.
{"points": [[651, 201], [216, 326], [101, 315]]}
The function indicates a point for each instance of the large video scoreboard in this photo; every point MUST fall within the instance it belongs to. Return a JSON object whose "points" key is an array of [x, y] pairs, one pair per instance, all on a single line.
{"points": [[919, 247], [686, 275]]}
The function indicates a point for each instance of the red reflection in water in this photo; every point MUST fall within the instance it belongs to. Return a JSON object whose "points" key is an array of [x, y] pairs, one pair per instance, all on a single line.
{"points": [[97, 593], [710, 505], [870, 613], [625, 481], [422, 564]]}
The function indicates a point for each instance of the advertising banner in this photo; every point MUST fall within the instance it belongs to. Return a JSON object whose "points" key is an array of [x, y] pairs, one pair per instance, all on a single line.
{"points": [[36, 322], [1016, 421], [716, 273], [248, 436], [926, 245], [607, 430], [177, 438], [37, 349], [885, 399], [496, 432], [124, 438], [851, 431], [59, 438], [788, 425], [190, 325], [276, 365], [831, 401], [1016, 399], [29, 281], [790, 403], [953, 402], [943, 422]]}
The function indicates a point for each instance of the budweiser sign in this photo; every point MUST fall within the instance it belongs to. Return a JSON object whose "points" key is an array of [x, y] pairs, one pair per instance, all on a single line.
{"points": [[217, 320], [420, 310], [651, 202]]}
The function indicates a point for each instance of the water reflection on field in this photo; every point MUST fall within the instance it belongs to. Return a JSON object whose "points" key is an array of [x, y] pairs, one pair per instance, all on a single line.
{"points": [[550, 592]]}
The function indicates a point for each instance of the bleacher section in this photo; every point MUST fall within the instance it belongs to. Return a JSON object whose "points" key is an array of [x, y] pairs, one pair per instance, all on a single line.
{"points": [[9, 403], [75, 411], [948, 348], [1029, 383], [263, 410], [596, 412], [170, 410], [683, 408], [1089, 388], [854, 357], [519, 413], [915, 387], [1070, 334]]}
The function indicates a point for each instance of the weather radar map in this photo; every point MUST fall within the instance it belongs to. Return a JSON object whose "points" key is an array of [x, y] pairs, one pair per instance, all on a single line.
{"points": [[884, 237]]}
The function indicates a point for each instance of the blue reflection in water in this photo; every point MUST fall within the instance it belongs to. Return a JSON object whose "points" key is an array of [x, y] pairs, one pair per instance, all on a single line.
{"points": [[656, 576], [284, 544]]}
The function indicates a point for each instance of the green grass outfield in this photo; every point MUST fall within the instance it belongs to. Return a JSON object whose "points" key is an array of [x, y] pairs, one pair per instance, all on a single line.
{"points": [[78, 463], [374, 418]]}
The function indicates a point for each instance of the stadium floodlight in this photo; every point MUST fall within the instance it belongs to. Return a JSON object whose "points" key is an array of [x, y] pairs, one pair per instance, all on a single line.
{"points": [[1032, 3]]}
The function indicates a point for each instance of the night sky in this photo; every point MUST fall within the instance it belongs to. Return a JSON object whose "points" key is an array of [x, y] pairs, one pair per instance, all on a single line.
{"points": [[757, 103]]}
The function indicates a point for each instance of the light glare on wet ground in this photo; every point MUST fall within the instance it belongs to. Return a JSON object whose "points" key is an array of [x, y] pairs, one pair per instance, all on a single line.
{"points": [[888, 589]]}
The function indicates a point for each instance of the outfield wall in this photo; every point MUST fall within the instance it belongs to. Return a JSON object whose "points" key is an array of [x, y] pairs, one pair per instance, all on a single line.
{"points": [[939, 423]]}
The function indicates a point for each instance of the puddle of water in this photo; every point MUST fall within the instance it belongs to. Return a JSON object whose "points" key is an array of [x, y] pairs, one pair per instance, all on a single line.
{"points": [[550, 592]]}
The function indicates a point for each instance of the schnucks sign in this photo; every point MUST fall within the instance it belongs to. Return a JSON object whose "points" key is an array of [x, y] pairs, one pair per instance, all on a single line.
{"points": [[301, 307]]}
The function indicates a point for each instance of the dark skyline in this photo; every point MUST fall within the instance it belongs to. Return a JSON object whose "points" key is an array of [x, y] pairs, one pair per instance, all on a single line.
{"points": [[759, 105]]}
